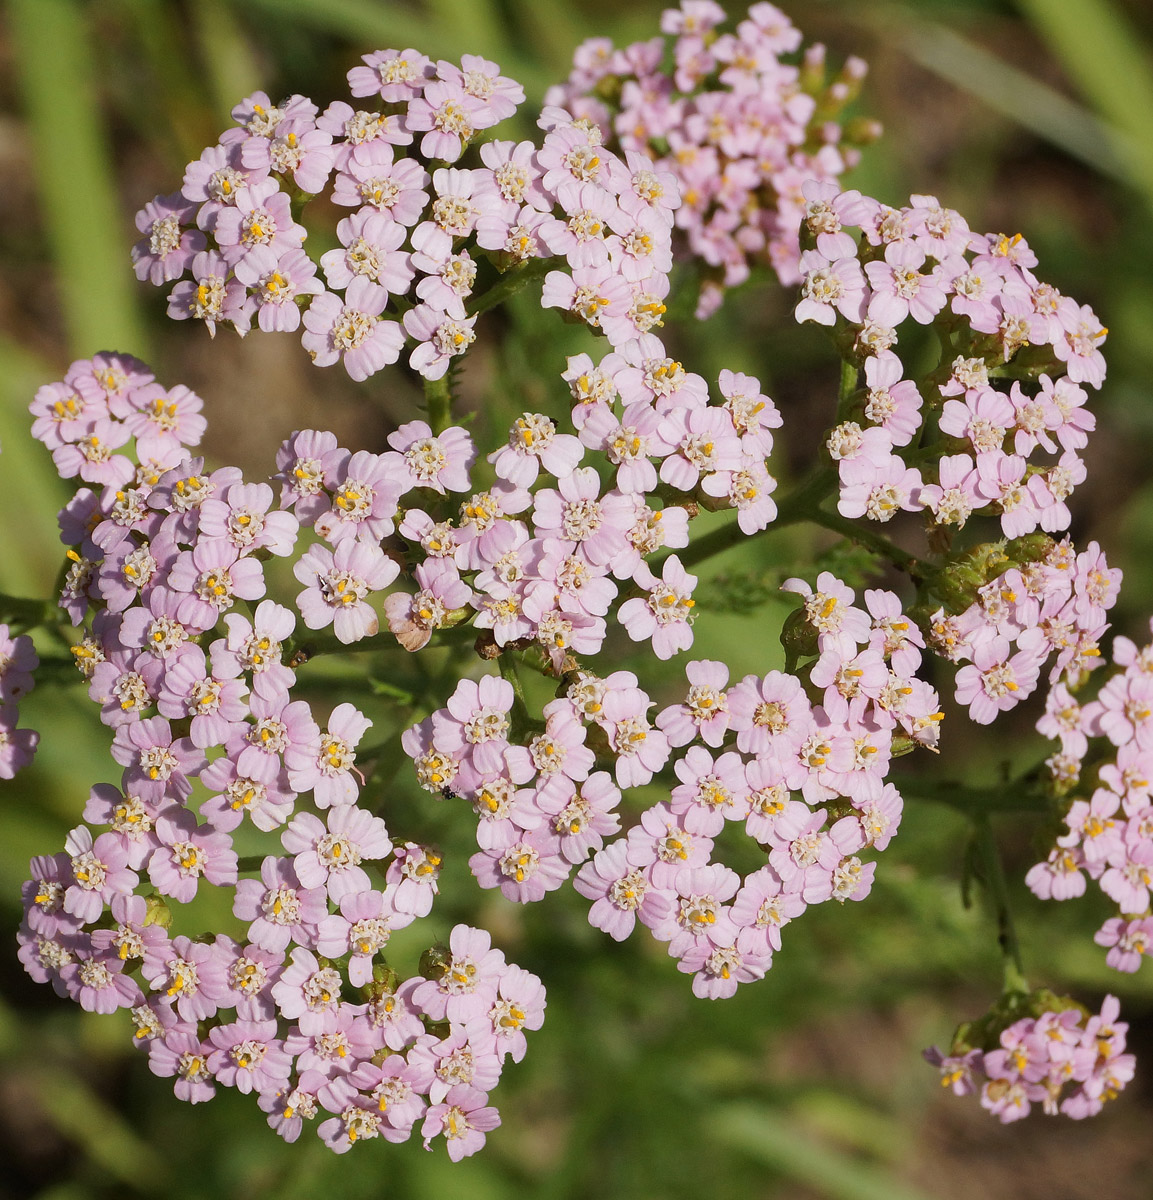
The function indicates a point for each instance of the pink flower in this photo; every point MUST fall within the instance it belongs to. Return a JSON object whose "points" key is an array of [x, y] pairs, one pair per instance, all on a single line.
{"points": [[372, 177], [371, 245], [533, 442], [339, 583], [249, 1057], [187, 854], [666, 614], [259, 216], [168, 247], [468, 984], [641, 750], [705, 712], [1079, 349], [831, 287], [996, 681], [277, 280], [353, 332], [619, 892], [524, 871], [442, 462], [442, 334], [393, 75], [179, 1052], [900, 290], [331, 857], [366, 488], [328, 772], [450, 116], [213, 295], [463, 1118], [281, 910]]}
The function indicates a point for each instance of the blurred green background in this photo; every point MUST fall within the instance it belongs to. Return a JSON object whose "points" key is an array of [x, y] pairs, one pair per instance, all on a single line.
{"points": [[1034, 117]]}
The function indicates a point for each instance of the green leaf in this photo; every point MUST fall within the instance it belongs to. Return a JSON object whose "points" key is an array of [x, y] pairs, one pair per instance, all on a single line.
{"points": [[773, 1138], [30, 549], [1014, 93], [53, 47], [1112, 67]]}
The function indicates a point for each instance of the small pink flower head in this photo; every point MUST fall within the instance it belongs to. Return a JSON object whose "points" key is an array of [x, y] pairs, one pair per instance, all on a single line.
{"points": [[353, 332], [393, 75], [666, 614], [442, 463], [339, 584], [533, 443], [169, 245], [462, 1119], [830, 288], [441, 334]]}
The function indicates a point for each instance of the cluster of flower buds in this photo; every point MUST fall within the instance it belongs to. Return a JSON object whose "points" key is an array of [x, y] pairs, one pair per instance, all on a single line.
{"points": [[1108, 825], [749, 749], [1050, 601], [17, 662], [1002, 324], [405, 272], [1064, 1058], [739, 128]]}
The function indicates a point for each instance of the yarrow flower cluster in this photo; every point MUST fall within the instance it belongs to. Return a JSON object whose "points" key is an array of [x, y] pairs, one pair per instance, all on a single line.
{"points": [[410, 250], [730, 119], [561, 544], [749, 749], [1050, 601], [198, 696], [922, 263], [1066, 1059], [18, 660], [1102, 771]]}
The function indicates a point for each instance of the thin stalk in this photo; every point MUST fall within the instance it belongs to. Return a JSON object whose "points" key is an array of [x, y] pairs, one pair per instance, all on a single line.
{"points": [[848, 385], [509, 671], [993, 877], [512, 281], [438, 400], [854, 531], [798, 506]]}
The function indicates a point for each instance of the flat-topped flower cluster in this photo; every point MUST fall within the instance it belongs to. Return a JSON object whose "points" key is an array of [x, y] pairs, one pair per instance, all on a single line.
{"points": [[922, 263], [1066, 1059], [1104, 769], [407, 266], [733, 120], [301, 1009], [749, 749], [550, 554]]}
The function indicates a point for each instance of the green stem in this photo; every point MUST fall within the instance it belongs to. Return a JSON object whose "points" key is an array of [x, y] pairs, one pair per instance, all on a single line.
{"points": [[795, 507], [512, 281], [848, 385], [509, 671], [438, 400], [1023, 794], [25, 613], [993, 877], [854, 531]]}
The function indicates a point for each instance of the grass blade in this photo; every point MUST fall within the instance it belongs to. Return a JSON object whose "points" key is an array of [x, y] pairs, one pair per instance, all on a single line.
{"points": [[89, 243]]}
